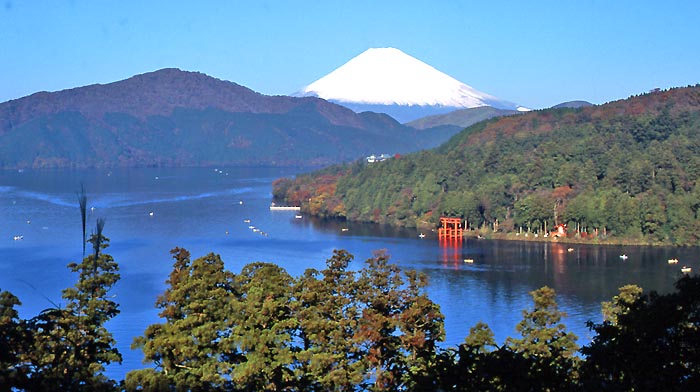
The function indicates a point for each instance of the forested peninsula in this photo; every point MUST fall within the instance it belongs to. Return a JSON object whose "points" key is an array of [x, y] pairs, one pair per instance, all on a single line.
{"points": [[626, 171]]}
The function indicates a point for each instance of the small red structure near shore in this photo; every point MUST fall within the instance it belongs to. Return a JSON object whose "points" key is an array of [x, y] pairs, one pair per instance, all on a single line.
{"points": [[451, 228], [559, 231]]}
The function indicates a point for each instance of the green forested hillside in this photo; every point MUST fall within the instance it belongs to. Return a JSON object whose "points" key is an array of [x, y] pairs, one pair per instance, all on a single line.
{"points": [[627, 169]]}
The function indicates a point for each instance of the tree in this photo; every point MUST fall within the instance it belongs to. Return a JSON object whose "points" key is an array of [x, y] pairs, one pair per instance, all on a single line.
{"points": [[546, 342], [71, 346], [399, 328], [260, 345], [620, 303], [537, 207], [473, 369], [328, 315], [652, 344], [187, 349], [14, 342], [82, 202]]}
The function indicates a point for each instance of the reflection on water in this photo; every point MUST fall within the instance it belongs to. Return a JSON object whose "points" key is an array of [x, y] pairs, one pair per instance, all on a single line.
{"points": [[150, 211]]}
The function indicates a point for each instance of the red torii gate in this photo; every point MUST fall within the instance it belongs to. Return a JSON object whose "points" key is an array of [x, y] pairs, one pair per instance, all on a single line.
{"points": [[451, 228]]}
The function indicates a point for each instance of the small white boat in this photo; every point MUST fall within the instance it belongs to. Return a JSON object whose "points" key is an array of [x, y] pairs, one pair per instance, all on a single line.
{"points": [[246, 220], [469, 261], [673, 261], [284, 208], [18, 237], [421, 235], [150, 213], [686, 269], [344, 229], [297, 216], [623, 257], [570, 250]]}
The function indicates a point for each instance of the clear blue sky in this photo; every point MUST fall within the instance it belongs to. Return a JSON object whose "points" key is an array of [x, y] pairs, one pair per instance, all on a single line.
{"points": [[534, 53]]}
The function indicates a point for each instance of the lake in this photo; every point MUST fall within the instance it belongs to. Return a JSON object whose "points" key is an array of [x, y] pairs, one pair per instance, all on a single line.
{"points": [[150, 211]]}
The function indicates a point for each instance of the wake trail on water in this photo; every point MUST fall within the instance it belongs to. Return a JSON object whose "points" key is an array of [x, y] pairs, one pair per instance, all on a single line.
{"points": [[47, 198], [125, 199]]}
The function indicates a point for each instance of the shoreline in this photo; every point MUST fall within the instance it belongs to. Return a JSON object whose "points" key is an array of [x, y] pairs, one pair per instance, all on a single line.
{"points": [[562, 240]]}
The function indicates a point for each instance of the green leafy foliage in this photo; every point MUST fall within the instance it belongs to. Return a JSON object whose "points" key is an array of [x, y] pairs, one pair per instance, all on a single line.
{"points": [[652, 342], [627, 169], [13, 343], [187, 348], [329, 355], [340, 329], [263, 330], [69, 348]]}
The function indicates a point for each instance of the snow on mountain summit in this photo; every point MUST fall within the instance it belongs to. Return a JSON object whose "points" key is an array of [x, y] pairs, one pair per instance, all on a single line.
{"points": [[388, 76]]}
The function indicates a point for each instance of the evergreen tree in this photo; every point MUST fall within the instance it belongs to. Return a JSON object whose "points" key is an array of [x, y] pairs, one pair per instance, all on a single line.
{"points": [[71, 346], [260, 342], [328, 315], [652, 343], [546, 347], [14, 342], [399, 328], [186, 349], [621, 303]]}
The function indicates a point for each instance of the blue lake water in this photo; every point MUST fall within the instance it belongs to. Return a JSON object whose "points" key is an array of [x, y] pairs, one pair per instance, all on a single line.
{"points": [[150, 211]]}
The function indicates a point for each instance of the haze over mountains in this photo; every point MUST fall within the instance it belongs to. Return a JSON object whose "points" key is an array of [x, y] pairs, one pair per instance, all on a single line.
{"points": [[387, 80], [176, 118]]}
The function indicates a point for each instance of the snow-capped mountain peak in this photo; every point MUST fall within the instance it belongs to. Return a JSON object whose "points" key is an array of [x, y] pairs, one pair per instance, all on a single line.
{"points": [[388, 76]]}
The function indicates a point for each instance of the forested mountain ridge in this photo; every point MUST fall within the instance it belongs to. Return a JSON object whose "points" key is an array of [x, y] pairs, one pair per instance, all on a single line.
{"points": [[627, 169], [171, 117], [462, 117]]}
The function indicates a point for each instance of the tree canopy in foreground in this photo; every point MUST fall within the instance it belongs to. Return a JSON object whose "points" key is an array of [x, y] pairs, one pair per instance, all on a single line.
{"points": [[340, 328]]}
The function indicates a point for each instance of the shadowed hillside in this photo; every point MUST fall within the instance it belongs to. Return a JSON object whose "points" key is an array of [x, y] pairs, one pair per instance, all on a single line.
{"points": [[176, 118]]}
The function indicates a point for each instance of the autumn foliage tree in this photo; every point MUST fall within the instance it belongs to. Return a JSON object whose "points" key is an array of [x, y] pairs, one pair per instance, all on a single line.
{"points": [[261, 329]]}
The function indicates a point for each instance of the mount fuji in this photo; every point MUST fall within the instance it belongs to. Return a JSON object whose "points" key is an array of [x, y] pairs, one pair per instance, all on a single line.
{"points": [[387, 80]]}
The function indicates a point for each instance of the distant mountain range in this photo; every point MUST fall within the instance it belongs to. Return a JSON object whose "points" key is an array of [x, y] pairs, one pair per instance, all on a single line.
{"points": [[461, 118], [177, 118], [387, 80], [573, 105]]}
